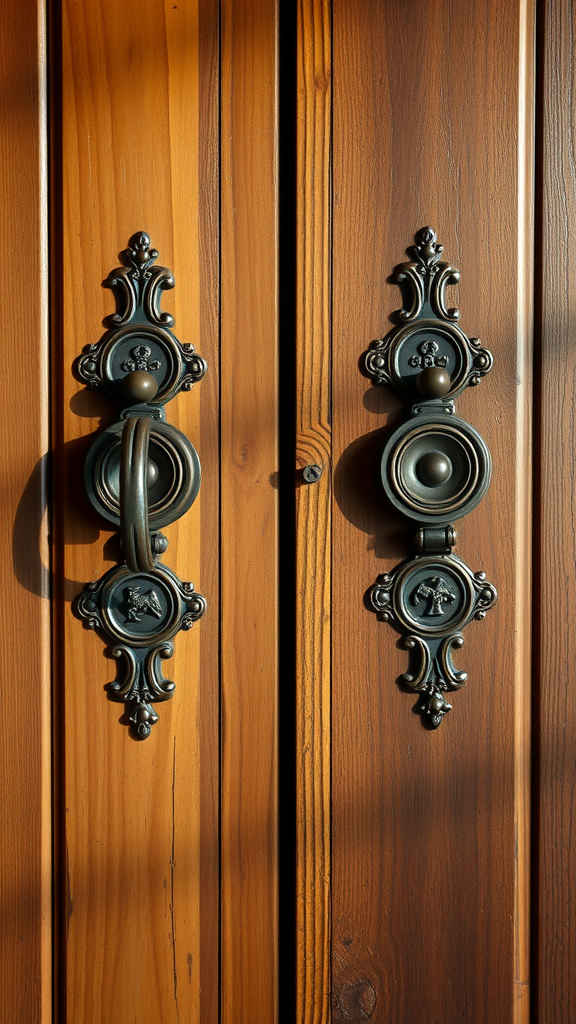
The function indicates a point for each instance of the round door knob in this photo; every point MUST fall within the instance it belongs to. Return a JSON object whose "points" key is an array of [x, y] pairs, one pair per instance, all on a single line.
{"points": [[433, 382], [139, 386], [434, 469]]}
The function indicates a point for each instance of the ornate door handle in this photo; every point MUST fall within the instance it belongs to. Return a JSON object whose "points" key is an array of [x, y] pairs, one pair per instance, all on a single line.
{"points": [[134, 474], [141, 474], [435, 469]]}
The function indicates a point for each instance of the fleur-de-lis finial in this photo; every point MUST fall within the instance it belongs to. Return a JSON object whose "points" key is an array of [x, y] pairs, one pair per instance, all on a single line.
{"points": [[139, 256], [426, 250]]}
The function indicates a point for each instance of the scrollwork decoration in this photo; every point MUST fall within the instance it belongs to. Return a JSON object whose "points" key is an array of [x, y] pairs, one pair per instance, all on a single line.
{"points": [[140, 338], [140, 613], [139, 284], [429, 600], [435, 469], [141, 473], [425, 278], [427, 334]]}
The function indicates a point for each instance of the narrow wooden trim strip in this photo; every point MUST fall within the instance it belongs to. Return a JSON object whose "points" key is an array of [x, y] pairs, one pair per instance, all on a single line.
{"points": [[313, 505]]}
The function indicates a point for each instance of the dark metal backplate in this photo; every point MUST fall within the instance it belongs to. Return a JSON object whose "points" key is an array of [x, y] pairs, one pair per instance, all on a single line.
{"points": [[429, 600], [139, 614], [435, 469]]}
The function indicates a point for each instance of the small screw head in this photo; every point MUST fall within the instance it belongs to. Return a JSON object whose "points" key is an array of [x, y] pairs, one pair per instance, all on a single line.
{"points": [[312, 473], [159, 543]]}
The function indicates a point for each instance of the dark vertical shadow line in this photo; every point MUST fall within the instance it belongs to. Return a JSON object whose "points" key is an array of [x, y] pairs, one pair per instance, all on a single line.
{"points": [[286, 131], [61, 899], [537, 523]]}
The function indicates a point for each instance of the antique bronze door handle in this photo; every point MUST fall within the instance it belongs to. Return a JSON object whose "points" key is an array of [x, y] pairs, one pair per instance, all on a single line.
{"points": [[435, 469], [141, 474], [134, 478]]}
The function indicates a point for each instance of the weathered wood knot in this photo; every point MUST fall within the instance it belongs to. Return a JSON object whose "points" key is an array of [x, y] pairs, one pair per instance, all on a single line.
{"points": [[357, 1001]]}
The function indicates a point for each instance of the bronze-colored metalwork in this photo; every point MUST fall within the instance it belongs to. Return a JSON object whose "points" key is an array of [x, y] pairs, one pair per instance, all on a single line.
{"points": [[141, 474], [427, 337], [435, 469], [429, 600]]}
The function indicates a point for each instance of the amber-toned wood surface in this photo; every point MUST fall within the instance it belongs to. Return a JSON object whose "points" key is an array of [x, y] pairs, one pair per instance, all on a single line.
{"points": [[313, 534], [139, 138], [555, 944], [249, 467], [25, 823], [432, 125]]}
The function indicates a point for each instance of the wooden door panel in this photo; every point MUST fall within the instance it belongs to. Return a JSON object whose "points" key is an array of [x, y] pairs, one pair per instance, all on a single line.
{"points": [[150, 828], [412, 847], [139, 821], [432, 126], [25, 743], [249, 519]]}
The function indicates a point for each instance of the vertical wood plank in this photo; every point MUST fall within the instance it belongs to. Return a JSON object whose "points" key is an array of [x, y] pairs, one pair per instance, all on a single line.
{"points": [[249, 410], [138, 86], [432, 125], [524, 515], [554, 942], [25, 742], [313, 510]]}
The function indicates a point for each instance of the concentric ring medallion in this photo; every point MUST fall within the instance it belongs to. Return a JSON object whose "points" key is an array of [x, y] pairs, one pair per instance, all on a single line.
{"points": [[173, 474], [435, 470]]}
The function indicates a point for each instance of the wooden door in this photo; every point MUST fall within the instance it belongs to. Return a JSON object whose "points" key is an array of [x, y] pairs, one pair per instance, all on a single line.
{"points": [[430, 828], [162, 119], [431, 123], [290, 843]]}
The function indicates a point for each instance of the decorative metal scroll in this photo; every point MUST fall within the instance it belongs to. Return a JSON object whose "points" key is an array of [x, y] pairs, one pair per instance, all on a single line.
{"points": [[141, 474], [435, 469]]}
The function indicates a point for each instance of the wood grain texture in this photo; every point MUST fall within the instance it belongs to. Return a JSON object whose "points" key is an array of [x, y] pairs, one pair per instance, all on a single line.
{"points": [[25, 742], [313, 510], [249, 413], [431, 126], [555, 945], [139, 135]]}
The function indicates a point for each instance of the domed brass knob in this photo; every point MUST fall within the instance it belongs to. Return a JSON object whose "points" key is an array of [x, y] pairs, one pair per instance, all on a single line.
{"points": [[433, 469], [139, 386], [433, 382]]}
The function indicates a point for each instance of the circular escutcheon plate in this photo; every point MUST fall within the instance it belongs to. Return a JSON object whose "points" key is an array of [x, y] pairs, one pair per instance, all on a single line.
{"points": [[433, 597], [431, 344], [143, 347], [174, 474], [141, 609], [435, 469]]}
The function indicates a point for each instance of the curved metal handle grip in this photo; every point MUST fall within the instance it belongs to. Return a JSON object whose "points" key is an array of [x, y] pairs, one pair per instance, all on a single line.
{"points": [[133, 494]]}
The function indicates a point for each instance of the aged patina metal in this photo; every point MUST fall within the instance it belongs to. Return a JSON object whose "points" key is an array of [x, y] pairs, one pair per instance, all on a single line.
{"points": [[430, 600], [141, 474], [426, 336], [435, 469], [139, 613], [312, 473]]}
